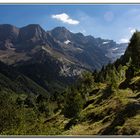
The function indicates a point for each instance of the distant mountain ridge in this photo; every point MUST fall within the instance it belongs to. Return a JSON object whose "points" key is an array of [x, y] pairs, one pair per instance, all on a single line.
{"points": [[59, 49]]}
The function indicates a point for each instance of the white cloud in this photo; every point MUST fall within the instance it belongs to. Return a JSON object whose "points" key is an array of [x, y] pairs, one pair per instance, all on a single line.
{"points": [[65, 19], [132, 30], [124, 40]]}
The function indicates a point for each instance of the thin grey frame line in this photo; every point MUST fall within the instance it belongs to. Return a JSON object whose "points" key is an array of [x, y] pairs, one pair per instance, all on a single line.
{"points": [[76, 3]]}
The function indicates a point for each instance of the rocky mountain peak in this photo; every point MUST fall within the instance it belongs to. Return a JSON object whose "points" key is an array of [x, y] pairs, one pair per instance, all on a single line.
{"points": [[8, 32], [60, 29], [61, 34], [32, 32]]}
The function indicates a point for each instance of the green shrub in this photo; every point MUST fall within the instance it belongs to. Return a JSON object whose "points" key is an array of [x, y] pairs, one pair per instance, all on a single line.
{"points": [[73, 104]]}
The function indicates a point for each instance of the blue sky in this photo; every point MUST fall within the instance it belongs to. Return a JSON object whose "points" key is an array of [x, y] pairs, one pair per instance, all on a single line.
{"points": [[108, 21]]}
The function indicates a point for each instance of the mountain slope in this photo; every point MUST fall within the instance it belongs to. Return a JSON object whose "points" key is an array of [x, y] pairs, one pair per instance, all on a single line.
{"points": [[113, 106], [48, 58], [110, 108], [19, 83]]}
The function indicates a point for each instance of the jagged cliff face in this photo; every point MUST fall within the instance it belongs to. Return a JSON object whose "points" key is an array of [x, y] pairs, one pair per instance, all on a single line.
{"points": [[8, 36], [8, 32], [31, 34]]}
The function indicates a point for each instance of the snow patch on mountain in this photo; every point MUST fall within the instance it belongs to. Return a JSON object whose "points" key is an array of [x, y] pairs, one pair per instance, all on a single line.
{"points": [[67, 41], [114, 49], [106, 42]]}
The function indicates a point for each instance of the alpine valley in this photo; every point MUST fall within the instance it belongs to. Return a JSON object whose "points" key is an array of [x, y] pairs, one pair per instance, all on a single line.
{"points": [[62, 83]]}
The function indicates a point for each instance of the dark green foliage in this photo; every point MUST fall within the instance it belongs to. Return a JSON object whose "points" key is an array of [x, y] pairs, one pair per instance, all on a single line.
{"points": [[85, 84], [133, 51], [40, 98], [43, 104], [20, 102], [106, 94], [129, 73], [43, 107], [71, 123], [94, 117], [73, 104], [45, 74], [29, 101], [109, 75], [134, 47], [128, 131], [8, 113], [87, 79]]}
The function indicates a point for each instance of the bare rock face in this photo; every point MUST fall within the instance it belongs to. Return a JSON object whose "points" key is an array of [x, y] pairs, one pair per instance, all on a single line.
{"points": [[8, 32], [32, 34], [8, 36], [61, 34]]}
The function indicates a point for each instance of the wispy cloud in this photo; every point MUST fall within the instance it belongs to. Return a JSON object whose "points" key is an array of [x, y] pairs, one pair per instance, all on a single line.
{"points": [[65, 18], [124, 40], [132, 30]]}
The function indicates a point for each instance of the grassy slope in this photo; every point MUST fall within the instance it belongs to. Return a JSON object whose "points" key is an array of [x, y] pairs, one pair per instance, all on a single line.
{"points": [[106, 113]]}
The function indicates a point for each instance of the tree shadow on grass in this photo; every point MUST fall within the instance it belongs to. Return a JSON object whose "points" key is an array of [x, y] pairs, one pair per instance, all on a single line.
{"points": [[129, 111], [105, 95]]}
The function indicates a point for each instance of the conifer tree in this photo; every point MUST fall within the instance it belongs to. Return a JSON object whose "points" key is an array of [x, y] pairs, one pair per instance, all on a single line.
{"points": [[73, 104]]}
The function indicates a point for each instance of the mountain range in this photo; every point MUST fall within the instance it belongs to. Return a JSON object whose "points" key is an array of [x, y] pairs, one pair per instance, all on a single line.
{"points": [[18, 45], [56, 56]]}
